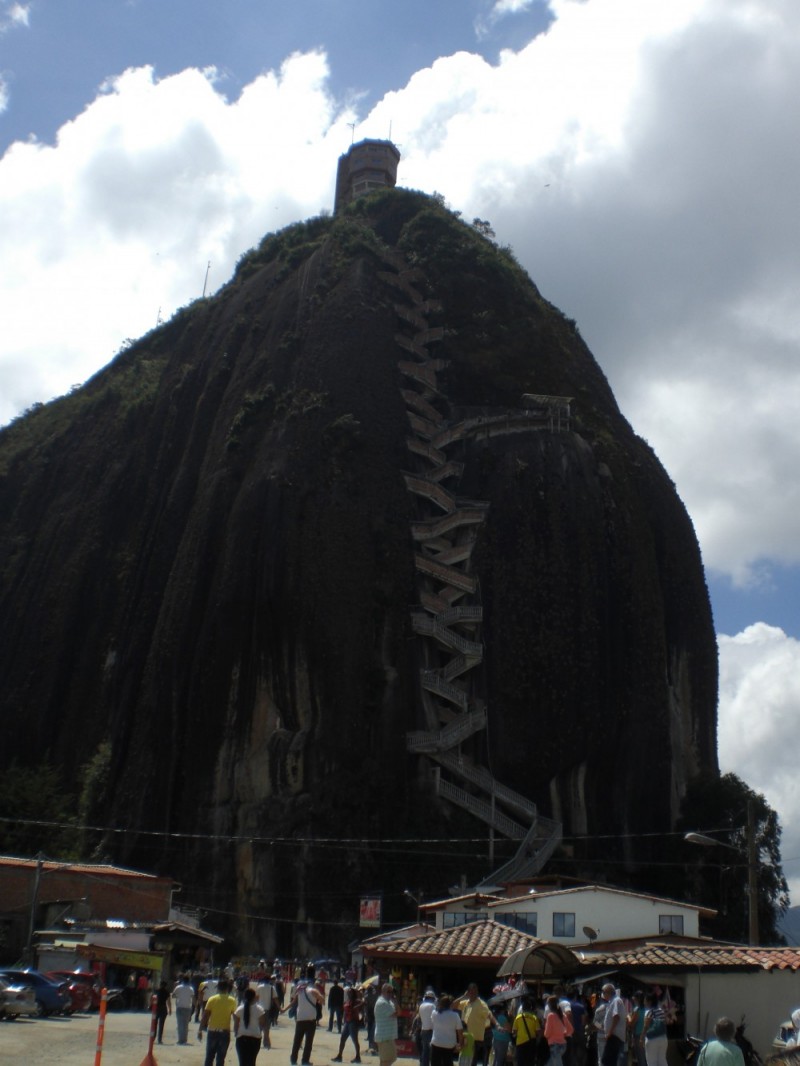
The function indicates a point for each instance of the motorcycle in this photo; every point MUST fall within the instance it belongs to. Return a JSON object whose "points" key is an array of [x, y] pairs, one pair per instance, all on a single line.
{"points": [[751, 1056], [689, 1048]]}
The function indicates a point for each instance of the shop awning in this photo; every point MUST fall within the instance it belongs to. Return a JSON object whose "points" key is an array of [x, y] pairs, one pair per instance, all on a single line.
{"points": [[140, 960], [540, 960]]}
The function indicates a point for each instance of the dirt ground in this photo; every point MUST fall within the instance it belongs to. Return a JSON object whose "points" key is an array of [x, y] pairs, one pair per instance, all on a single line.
{"points": [[72, 1041]]}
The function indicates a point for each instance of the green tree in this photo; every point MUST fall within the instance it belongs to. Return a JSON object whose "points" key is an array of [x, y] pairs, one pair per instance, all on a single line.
{"points": [[36, 813], [717, 877], [484, 226]]}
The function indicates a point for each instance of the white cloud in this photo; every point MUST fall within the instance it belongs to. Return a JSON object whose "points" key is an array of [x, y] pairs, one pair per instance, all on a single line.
{"points": [[13, 14], [759, 709], [499, 10], [151, 182], [511, 7]]}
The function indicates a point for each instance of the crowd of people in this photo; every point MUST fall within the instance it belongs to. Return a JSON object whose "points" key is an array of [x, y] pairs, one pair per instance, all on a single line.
{"points": [[248, 1002], [566, 1028]]}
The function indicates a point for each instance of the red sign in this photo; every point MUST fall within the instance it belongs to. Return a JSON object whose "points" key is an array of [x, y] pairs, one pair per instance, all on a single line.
{"points": [[370, 912]]}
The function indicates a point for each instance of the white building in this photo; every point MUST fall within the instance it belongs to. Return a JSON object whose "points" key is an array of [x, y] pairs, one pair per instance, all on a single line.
{"points": [[573, 916]]}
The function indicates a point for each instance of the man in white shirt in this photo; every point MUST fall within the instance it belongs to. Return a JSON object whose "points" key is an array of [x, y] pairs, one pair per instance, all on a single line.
{"points": [[614, 1025], [305, 1000], [183, 994], [426, 1009], [265, 992]]}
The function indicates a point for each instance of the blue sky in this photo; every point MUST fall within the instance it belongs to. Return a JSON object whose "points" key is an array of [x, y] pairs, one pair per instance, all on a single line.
{"points": [[54, 70], [641, 159]]}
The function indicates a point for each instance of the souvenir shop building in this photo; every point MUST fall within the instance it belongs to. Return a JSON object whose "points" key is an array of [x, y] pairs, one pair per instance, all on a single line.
{"points": [[700, 980]]}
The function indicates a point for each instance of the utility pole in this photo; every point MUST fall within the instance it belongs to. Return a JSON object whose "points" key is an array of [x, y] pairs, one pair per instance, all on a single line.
{"points": [[752, 876], [37, 877], [753, 933]]}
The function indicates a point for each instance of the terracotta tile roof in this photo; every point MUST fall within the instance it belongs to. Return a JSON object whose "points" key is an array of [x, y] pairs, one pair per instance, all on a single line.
{"points": [[715, 956], [487, 941]]}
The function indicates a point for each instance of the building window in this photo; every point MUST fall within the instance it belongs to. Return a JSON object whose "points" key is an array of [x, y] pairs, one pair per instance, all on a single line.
{"points": [[670, 923], [563, 924], [454, 918], [526, 923]]}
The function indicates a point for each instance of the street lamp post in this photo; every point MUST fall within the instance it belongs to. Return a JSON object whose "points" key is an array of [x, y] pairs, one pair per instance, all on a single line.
{"points": [[752, 867], [414, 899]]}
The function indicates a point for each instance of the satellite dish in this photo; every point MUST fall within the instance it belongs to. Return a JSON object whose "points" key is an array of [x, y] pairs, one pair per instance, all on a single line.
{"points": [[589, 933]]}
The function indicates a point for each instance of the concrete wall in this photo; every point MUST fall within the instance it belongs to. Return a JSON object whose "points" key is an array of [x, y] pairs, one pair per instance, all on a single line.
{"points": [[766, 998]]}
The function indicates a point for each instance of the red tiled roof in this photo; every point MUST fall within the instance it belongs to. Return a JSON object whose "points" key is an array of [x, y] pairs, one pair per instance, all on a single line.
{"points": [[486, 941], [717, 956]]}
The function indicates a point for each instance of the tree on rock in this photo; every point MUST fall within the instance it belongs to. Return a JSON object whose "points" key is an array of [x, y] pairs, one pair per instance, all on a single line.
{"points": [[718, 877]]}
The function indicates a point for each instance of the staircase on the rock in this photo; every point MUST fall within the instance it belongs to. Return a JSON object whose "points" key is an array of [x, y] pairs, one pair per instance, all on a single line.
{"points": [[449, 615]]}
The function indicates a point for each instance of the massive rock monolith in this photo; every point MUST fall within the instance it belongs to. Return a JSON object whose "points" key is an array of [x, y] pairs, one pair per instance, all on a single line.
{"points": [[255, 550]]}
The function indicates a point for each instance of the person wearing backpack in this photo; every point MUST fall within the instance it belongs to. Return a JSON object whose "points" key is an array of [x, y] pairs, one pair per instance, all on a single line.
{"points": [[654, 1032], [525, 1033], [304, 1002]]}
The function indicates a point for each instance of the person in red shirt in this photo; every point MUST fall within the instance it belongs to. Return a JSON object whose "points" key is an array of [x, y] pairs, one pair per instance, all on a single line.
{"points": [[351, 1013]]}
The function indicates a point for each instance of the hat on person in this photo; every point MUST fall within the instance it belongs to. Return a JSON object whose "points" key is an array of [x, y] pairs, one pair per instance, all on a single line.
{"points": [[429, 994]]}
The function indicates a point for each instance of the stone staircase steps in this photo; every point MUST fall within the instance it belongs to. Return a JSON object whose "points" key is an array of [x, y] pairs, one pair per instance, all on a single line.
{"points": [[448, 575], [432, 491], [481, 809], [452, 713], [433, 682], [457, 731]]}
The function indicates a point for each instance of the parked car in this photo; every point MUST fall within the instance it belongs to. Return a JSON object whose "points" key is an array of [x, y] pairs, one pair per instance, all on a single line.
{"points": [[51, 997], [80, 993], [115, 997], [90, 981], [16, 1000]]}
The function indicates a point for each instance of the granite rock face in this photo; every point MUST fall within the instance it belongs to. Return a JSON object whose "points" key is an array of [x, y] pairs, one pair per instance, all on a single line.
{"points": [[208, 559]]}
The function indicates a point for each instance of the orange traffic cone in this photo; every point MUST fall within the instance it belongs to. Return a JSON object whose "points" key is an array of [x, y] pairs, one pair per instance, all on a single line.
{"points": [[149, 1059]]}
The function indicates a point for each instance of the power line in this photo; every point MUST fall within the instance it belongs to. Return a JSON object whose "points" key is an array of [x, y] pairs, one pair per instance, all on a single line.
{"points": [[250, 838]]}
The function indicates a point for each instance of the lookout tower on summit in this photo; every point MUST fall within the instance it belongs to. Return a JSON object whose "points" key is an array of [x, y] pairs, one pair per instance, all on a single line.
{"points": [[368, 165]]}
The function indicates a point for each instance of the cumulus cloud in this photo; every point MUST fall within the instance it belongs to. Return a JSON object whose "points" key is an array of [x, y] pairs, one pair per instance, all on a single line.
{"points": [[759, 709], [119, 219], [13, 14], [500, 9]]}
